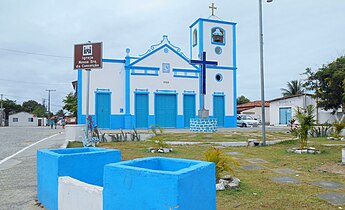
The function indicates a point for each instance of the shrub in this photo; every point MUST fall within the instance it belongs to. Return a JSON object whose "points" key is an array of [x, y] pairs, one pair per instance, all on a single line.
{"points": [[222, 162], [158, 138], [320, 130], [338, 126], [305, 118]]}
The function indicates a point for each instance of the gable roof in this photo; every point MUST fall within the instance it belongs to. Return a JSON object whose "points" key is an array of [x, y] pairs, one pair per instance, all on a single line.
{"points": [[250, 105], [293, 96], [157, 47]]}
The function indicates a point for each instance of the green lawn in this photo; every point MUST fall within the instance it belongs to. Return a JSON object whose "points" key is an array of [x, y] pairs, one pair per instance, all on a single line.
{"points": [[257, 190]]}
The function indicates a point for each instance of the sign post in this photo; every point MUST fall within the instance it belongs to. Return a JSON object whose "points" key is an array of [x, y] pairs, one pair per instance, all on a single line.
{"points": [[88, 56], [203, 113]]}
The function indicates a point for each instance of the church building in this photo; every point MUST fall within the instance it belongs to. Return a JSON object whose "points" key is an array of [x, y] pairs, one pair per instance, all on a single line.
{"points": [[161, 87]]}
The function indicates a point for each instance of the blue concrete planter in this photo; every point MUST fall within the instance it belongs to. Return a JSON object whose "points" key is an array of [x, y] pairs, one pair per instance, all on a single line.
{"points": [[84, 164], [159, 183]]}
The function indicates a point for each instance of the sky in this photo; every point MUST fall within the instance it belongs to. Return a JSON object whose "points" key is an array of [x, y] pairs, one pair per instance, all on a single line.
{"points": [[37, 39]]}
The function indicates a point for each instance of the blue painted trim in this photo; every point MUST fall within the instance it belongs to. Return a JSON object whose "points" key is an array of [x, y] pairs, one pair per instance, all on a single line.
{"points": [[166, 92], [190, 43], [161, 47], [127, 85], [152, 120], [230, 121], [234, 47], [186, 70], [113, 60], [201, 49], [235, 92], [212, 21], [179, 121], [102, 90], [80, 91], [144, 68], [221, 77], [224, 36], [201, 36], [234, 72], [145, 74], [141, 91], [221, 67], [186, 76], [218, 94], [220, 50], [189, 92]]}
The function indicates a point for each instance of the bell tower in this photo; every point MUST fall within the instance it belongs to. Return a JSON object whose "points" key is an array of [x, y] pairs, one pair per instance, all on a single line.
{"points": [[216, 37]]}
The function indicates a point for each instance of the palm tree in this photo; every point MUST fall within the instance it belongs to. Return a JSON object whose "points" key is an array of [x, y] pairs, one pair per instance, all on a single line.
{"points": [[293, 88]]}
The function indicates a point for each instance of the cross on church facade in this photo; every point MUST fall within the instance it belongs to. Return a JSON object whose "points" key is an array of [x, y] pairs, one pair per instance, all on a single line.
{"points": [[203, 63], [213, 8]]}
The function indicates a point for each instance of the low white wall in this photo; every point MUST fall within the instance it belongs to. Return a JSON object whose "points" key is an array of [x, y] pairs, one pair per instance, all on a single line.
{"points": [[343, 153], [76, 195], [74, 132]]}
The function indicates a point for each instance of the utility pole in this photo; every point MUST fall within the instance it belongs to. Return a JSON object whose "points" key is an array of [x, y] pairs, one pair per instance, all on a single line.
{"points": [[49, 102], [2, 113], [44, 104]]}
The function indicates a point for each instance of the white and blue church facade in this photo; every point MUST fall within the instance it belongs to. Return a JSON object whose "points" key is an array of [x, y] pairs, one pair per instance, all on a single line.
{"points": [[161, 87]]}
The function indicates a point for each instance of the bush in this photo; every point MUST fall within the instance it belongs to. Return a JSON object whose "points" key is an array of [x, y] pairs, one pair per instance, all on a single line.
{"points": [[338, 126], [305, 118], [158, 138], [321, 130], [222, 162]]}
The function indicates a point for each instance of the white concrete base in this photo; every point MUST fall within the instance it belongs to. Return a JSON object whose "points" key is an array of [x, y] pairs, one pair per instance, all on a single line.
{"points": [[343, 154], [76, 195], [74, 132]]}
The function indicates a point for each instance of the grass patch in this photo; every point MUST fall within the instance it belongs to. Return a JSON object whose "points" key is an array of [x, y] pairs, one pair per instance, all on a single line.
{"points": [[257, 191]]}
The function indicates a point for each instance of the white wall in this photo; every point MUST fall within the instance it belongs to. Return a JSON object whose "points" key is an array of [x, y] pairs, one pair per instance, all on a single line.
{"points": [[112, 77], [76, 195], [301, 101], [165, 81], [23, 120], [256, 113]]}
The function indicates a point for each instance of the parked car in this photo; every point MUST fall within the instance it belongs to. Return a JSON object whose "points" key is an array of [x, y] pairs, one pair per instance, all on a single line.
{"points": [[246, 121]]}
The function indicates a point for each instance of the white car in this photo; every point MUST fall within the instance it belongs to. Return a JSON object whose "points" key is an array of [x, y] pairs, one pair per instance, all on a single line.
{"points": [[246, 121]]}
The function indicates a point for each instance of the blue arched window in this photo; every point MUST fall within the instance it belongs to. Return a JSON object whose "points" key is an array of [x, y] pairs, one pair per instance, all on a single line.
{"points": [[195, 37]]}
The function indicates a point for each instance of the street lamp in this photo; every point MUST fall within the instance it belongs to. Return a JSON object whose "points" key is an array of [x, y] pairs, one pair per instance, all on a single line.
{"points": [[263, 117]]}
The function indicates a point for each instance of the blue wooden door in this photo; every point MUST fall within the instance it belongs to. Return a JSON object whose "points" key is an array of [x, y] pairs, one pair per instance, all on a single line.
{"points": [[141, 110], [284, 115], [219, 109], [188, 109], [166, 110], [103, 110]]}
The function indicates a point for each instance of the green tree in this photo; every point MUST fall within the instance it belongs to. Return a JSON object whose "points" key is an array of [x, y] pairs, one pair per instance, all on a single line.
{"points": [[34, 107], [71, 104], [60, 113], [328, 83], [242, 100], [11, 107], [294, 87], [29, 106]]}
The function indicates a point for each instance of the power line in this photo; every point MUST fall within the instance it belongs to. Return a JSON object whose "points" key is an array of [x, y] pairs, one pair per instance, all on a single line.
{"points": [[36, 83], [33, 53]]}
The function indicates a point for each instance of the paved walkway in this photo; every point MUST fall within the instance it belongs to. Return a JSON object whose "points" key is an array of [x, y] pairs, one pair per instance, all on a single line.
{"points": [[225, 144], [18, 185]]}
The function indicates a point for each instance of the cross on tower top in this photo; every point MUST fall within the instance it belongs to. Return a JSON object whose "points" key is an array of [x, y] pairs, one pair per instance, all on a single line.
{"points": [[213, 8]]}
